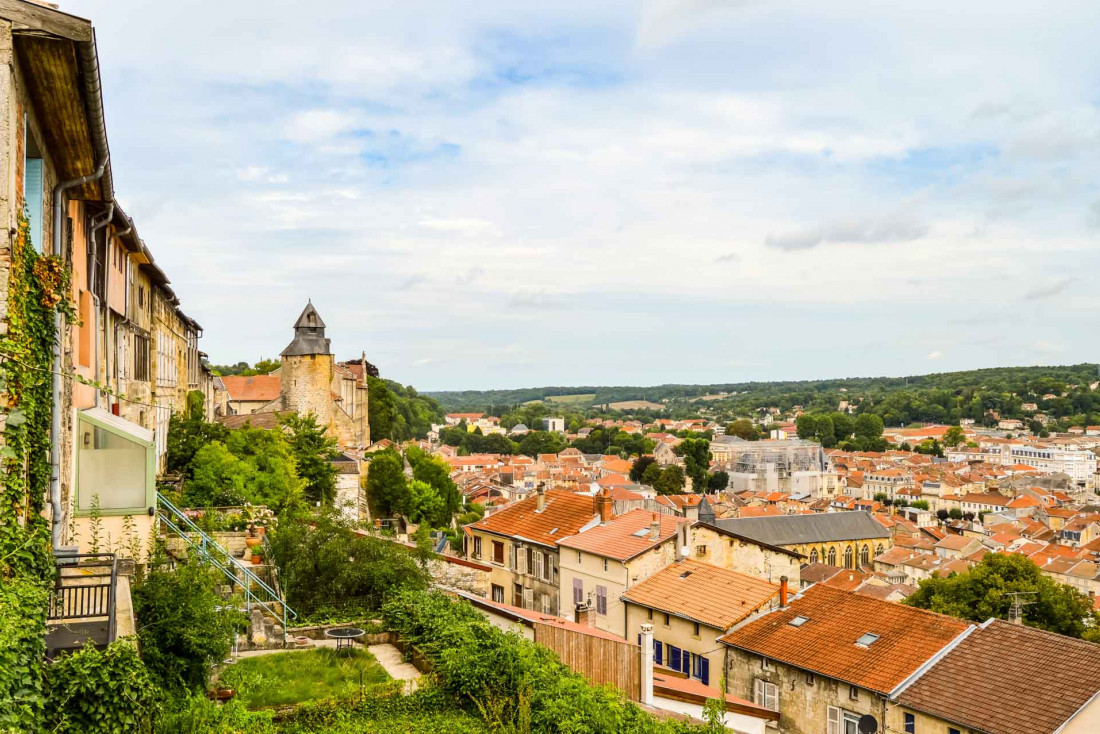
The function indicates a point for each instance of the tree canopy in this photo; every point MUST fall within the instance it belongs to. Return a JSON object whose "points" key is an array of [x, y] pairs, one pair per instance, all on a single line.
{"points": [[986, 591]]}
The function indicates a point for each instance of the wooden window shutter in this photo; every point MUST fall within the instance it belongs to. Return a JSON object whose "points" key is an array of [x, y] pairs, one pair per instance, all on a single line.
{"points": [[834, 725]]}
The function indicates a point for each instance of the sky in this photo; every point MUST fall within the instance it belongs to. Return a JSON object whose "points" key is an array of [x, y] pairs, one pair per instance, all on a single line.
{"points": [[507, 194]]}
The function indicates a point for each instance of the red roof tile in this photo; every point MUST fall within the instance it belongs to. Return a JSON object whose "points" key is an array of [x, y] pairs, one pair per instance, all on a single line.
{"points": [[255, 388]]}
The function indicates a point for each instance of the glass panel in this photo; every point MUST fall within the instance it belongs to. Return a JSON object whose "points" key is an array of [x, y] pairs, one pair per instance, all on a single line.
{"points": [[110, 466]]}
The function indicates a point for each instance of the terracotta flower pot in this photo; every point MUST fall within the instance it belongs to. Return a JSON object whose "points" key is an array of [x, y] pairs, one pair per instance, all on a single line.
{"points": [[257, 560], [261, 530], [253, 542]]}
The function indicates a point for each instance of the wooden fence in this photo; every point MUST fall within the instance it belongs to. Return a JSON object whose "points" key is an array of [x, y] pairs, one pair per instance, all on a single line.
{"points": [[599, 659]]}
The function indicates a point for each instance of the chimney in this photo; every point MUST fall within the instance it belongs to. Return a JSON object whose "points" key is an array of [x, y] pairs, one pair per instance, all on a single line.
{"points": [[541, 491], [582, 614], [655, 527], [645, 696], [782, 592], [605, 506]]}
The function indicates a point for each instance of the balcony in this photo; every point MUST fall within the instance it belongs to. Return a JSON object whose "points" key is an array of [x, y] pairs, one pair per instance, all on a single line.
{"points": [[84, 602]]}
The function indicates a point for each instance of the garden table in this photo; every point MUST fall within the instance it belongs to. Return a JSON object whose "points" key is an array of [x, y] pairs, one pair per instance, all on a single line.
{"points": [[344, 637]]}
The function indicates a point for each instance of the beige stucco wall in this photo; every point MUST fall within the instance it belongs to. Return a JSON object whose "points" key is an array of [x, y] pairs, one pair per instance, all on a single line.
{"points": [[112, 539], [590, 570], [681, 633], [505, 577]]}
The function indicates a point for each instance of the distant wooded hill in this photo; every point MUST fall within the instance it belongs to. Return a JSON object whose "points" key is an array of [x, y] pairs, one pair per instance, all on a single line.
{"points": [[1062, 392]]}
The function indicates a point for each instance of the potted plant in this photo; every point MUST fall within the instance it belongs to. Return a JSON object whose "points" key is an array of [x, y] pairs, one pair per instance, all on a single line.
{"points": [[253, 540], [257, 555]]}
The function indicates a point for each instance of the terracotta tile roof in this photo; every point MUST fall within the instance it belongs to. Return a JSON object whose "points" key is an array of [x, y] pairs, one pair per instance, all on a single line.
{"points": [[255, 388], [1016, 679], [714, 596], [617, 538], [564, 515], [826, 643]]}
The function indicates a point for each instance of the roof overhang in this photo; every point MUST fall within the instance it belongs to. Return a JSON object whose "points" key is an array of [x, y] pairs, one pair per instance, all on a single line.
{"points": [[116, 424]]}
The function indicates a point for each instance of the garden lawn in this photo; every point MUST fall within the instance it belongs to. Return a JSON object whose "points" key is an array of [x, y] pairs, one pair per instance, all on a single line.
{"points": [[285, 678]]}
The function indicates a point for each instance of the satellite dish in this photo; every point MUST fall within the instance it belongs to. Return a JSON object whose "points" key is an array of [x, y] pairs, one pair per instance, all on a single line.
{"points": [[685, 552], [867, 724]]}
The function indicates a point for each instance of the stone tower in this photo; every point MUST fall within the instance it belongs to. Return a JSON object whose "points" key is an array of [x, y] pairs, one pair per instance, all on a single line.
{"points": [[307, 369]]}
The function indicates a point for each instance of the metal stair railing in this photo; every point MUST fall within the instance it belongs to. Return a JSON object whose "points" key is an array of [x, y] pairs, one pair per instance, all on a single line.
{"points": [[177, 521]]}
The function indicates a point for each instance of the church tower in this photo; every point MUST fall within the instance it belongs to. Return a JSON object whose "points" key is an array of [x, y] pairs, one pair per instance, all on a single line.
{"points": [[307, 369]]}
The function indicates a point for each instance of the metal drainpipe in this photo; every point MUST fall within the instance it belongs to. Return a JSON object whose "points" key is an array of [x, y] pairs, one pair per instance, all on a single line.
{"points": [[99, 305], [55, 420]]}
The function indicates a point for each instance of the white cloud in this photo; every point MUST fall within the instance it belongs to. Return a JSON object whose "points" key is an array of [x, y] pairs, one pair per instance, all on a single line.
{"points": [[469, 227], [935, 354]]}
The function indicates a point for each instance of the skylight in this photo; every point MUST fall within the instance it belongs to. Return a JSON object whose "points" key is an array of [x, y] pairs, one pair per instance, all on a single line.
{"points": [[641, 533], [798, 621], [685, 574], [553, 531], [867, 639]]}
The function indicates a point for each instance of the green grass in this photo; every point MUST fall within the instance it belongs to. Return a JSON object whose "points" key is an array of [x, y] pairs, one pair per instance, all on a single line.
{"points": [[579, 399], [285, 678]]}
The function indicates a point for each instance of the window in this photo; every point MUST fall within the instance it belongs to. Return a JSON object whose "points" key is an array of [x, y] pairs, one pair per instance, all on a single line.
{"points": [[529, 561], [700, 551], [866, 640], [539, 567], [841, 721], [700, 669], [548, 567], [578, 591], [650, 612], [765, 664], [141, 358], [115, 465], [695, 629], [33, 187], [910, 724], [477, 547], [517, 595], [765, 694], [853, 693], [141, 296], [952, 730], [878, 550], [865, 556], [658, 650], [813, 556], [605, 564], [832, 556], [498, 552], [498, 594], [667, 620], [810, 679], [578, 556], [848, 557], [601, 600]]}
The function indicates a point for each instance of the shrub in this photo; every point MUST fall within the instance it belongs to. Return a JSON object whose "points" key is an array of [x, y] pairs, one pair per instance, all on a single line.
{"points": [[108, 691], [22, 647], [181, 628], [323, 563]]}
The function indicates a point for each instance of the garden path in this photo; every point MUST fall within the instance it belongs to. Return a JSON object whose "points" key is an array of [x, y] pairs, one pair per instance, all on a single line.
{"points": [[391, 659]]}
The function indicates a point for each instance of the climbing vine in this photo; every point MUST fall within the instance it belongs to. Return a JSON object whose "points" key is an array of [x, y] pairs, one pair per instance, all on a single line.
{"points": [[37, 286]]}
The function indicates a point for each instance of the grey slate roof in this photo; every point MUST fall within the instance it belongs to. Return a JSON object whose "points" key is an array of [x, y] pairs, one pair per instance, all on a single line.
{"points": [[795, 529], [309, 335]]}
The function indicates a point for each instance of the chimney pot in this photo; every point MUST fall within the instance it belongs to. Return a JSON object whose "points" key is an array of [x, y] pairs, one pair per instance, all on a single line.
{"points": [[782, 592], [655, 527], [582, 614]]}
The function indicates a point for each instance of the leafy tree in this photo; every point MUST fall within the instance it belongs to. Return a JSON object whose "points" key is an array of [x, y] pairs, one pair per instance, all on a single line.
{"points": [[718, 481], [955, 513], [313, 451], [436, 473], [188, 432], [652, 474], [542, 442], [954, 436], [184, 625], [637, 470], [942, 514], [671, 480], [324, 564], [100, 691], [743, 428], [272, 475], [696, 453], [984, 592], [868, 426], [426, 506], [920, 504], [387, 489], [880, 497]]}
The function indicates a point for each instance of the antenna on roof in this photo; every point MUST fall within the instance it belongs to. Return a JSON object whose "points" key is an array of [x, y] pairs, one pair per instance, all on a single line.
{"points": [[1016, 613]]}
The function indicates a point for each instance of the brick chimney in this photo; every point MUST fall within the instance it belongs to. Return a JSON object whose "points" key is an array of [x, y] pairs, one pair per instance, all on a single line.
{"points": [[605, 506], [655, 527], [782, 592], [582, 614]]}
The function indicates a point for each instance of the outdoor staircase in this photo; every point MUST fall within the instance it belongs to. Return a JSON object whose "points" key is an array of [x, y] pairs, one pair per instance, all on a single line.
{"points": [[257, 593]]}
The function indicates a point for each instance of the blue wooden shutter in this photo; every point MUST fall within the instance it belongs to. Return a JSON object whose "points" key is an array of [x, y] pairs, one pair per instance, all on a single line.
{"points": [[657, 650], [704, 671], [673, 657], [32, 195], [685, 662]]}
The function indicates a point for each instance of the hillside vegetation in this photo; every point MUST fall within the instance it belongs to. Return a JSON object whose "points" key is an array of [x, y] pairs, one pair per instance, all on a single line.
{"points": [[941, 397]]}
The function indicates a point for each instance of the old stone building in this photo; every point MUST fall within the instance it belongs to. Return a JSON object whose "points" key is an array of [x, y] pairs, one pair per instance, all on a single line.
{"points": [[308, 382]]}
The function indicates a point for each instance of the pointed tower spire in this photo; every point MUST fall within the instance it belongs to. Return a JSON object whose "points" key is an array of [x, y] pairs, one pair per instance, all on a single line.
{"points": [[309, 334]]}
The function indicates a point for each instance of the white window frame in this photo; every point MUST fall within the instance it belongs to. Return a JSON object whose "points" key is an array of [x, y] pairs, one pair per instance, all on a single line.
{"points": [[765, 694]]}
